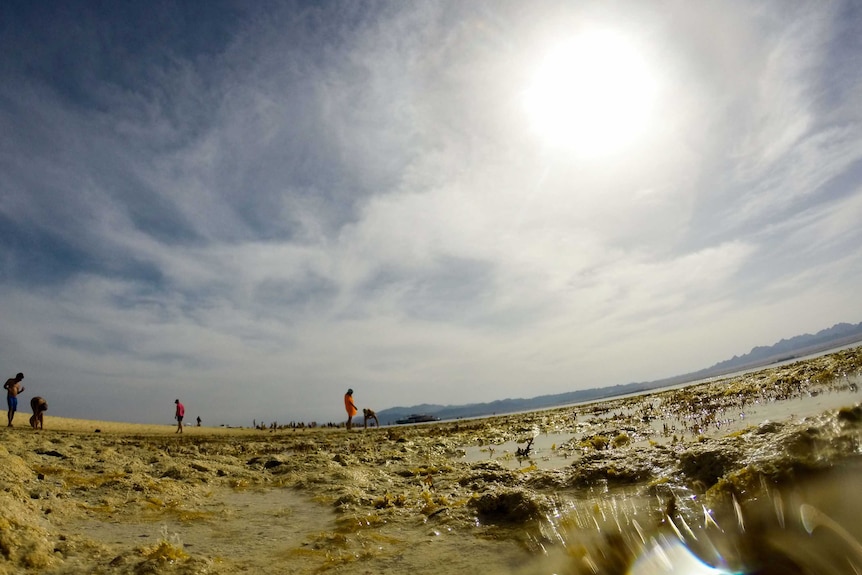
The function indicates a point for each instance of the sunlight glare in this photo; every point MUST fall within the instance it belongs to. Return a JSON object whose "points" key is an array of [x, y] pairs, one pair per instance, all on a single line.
{"points": [[593, 93]]}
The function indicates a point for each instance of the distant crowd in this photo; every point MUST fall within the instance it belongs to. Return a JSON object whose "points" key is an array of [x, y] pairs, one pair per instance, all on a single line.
{"points": [[292, 426], [369, 418]]}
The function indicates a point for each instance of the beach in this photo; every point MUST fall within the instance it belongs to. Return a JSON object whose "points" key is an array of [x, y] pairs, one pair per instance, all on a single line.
{"points": [[751, 473]]}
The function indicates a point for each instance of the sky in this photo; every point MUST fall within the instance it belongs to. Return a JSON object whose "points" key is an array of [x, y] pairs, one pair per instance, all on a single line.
{"points": [[253, 206]]}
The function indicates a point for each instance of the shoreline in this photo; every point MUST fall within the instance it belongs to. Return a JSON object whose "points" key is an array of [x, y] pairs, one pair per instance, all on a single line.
{"points": [[74, 425]]}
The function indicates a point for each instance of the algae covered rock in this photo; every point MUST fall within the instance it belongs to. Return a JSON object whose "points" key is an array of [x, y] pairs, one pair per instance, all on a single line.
{"points": [[611, 468], [708, 465], [508, 506]]}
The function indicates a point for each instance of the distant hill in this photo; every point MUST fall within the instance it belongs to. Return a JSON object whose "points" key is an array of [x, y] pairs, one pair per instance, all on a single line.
{"points": [[799, 346], [787, 349]]}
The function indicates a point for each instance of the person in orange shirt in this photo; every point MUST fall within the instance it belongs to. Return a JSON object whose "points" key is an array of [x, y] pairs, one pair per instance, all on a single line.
{"points": [[350, 407]]}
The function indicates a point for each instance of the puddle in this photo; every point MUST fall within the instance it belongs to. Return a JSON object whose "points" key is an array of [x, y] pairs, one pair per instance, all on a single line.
{"points": [[282, 531], [231, 524], [543, 452]]}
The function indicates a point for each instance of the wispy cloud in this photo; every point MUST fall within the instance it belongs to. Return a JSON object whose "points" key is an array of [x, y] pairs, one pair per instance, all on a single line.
{"points": [[255, 207]]}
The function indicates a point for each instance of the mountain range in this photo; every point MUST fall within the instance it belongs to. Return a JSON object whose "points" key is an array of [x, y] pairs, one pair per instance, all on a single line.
{"points": [[787, 349]]}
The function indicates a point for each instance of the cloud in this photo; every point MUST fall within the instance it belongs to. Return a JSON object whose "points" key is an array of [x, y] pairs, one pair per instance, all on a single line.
{"points": [[256, 208]]}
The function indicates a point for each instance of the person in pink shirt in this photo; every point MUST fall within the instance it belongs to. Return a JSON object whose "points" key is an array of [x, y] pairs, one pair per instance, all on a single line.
{"points": [[181, 411]]}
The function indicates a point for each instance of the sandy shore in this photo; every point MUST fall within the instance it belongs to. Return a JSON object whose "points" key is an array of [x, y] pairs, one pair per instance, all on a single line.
{"points": [[597, 483], [118, 427]]}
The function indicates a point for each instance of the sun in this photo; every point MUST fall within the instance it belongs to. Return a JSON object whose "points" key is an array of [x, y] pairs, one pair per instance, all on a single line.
{"points": [[593, 94]]}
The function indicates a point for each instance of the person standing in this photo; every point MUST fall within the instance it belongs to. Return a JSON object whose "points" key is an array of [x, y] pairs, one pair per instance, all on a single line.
{"points": [[13, 387], [39, 407], [350, 407], [180, 413]]}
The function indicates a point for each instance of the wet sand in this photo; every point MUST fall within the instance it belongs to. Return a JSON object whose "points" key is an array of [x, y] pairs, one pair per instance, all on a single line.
{"points": [[745, 472]]}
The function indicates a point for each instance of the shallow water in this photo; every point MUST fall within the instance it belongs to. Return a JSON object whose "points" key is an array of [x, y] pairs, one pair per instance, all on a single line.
{"points": [[811, 528], [546, 448], [284, 531], [250, 528]]}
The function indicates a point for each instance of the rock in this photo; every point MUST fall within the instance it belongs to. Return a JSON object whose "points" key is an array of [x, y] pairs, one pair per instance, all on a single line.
{"points": [[707, 466], [512, 506], [50, 453]]}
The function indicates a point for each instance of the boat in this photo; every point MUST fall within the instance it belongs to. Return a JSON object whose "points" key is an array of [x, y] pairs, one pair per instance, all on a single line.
{"points": [[417, 418]]}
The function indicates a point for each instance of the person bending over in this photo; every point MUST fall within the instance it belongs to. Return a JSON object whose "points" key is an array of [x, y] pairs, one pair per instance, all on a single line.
{"points": [[369, 414], [39, 407]]}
